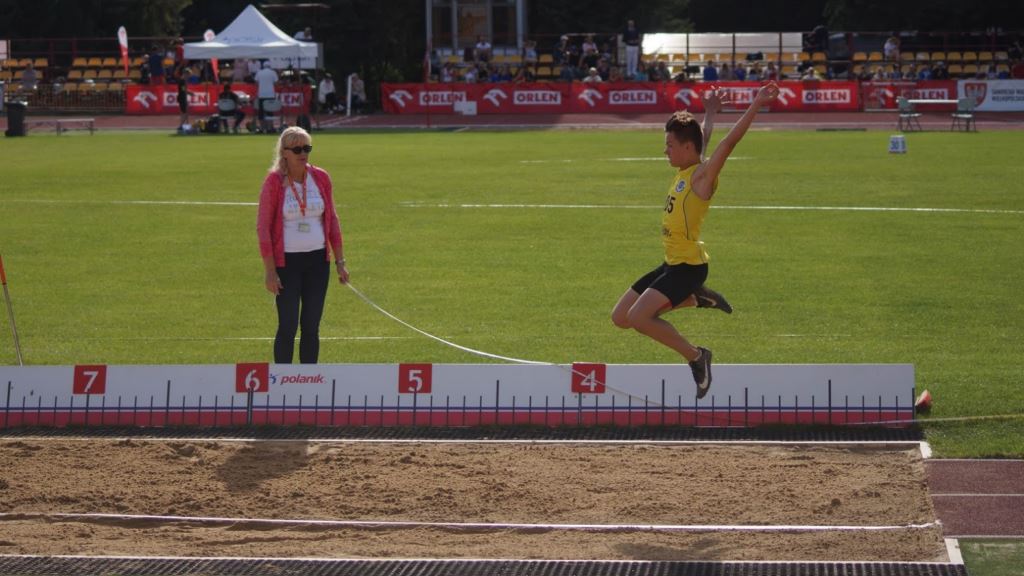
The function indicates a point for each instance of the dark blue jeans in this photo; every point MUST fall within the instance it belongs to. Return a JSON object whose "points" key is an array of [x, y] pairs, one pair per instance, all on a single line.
{"points": [[305, 277]]}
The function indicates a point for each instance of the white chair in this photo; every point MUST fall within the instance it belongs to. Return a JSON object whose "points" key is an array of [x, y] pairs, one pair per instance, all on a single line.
{"points": [[271, 113], [908, 119], [964, 115], [226, 109]]}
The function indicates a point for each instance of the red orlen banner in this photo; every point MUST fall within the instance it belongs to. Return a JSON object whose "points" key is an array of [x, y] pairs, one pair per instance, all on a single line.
{"points": [[202, 98], [883, 94], [609, 98]]}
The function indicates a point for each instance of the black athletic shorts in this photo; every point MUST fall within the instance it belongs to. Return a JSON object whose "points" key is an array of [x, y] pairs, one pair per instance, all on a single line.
{"points": [[676, 282]]}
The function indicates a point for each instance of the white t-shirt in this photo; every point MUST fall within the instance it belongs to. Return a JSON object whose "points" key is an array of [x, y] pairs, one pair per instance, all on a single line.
{"points": [[303, 233], [265, 79]]}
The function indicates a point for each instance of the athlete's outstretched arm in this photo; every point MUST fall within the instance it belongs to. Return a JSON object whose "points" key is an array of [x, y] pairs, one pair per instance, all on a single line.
{"points": [[705, 176], [712, 101]]}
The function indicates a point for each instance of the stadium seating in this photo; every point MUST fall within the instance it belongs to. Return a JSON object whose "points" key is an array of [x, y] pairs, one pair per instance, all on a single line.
{"points": [[969, 56], [907, 56], [953, 57], [875, 57], [955, 69], [984, 57]]}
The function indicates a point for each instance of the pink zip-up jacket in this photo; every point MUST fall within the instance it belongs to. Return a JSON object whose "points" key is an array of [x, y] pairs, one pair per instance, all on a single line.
{"points": [[270, 218]]}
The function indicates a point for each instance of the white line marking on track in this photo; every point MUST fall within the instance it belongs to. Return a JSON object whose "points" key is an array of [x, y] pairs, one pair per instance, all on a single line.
{"points": [[720, 207], [953, 551], [976, 495], [135, 202], [465, 525]]}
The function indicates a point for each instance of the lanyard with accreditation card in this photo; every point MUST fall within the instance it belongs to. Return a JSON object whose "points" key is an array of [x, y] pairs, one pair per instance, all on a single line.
{"points": [[303, 226]]}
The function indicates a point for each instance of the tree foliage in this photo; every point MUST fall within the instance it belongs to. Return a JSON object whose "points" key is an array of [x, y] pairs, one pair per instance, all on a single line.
{"points": [[89, 18]]}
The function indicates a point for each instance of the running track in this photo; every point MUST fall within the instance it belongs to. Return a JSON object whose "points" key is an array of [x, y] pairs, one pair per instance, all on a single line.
{"points": [[978, 497]]}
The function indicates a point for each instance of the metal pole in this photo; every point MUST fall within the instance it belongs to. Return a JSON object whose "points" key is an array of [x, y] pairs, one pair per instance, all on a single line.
{"points": [[10, 312]]}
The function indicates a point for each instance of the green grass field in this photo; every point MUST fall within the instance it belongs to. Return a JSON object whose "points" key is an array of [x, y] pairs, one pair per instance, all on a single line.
{"points": [[97, 277]]}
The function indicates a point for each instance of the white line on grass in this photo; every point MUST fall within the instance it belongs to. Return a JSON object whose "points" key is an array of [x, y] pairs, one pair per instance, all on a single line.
{"points": [[135, 202], [726, 207], [626, 159], [235, 338], [463, 525]]}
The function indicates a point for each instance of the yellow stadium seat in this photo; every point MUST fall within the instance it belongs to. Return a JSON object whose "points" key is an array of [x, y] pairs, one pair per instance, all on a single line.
{"points": [[771, 56], [819, 57], [75, 74], [971, 69], [907, 56], [18, 74], [955, 69], [921, 56], [79, 63], [1001, 56], [94, 62], [109, 62], [953, 57], [135, 74], [984, 56], [546, 59], [138, 61], [41, 63], [1000, 68], [89, 75], [860, 56], [938, 56], [5, 75], [106, 74], [24, 62], [969, 57], [119, 74], [875, 57], [543, 71]]}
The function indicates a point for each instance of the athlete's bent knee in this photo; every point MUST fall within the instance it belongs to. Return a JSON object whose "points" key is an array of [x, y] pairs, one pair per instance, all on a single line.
{"points": [[621, 320]]}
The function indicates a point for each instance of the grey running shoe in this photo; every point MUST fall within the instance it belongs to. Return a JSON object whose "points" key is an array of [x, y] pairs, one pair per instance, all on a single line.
{"points": [[708, 298], [701, 368]]}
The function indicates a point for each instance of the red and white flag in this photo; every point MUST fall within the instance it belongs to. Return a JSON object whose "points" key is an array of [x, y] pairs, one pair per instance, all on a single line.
{"points": [[214, 64], [122, 39]]}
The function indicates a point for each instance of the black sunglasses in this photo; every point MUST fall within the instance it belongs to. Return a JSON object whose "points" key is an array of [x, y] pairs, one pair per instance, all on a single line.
{"points": [[300, 149]]}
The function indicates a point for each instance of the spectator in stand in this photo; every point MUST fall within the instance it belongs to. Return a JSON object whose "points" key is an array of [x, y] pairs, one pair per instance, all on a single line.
{"points": [[632, 38], [604, 69], [1015, 51], [266, 79], [239, 70], [482, 50], [615, 74], [894, 72], [29, 79], [447, 73], [593, 76], [305, 35], [710, 72], [156, 65], [740, 73], [725, 74], [563, 52], [228, 94], [811, 73], [357, 93], [435, 64], [660, 73], [924, 72], [254, 67], [588, 53], [525, 74], [891, 49], [641, 72], [771, 74], [755, 74], [327, 94], [530, 56], [940, 72], [192, 72], [470, 75], [500, 73]]}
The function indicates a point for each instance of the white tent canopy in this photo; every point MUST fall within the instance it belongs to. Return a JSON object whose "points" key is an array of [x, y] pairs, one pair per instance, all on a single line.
{"points": [[251, 35]]}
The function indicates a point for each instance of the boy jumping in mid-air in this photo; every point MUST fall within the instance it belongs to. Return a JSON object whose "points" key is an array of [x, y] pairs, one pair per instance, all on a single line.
{"points": [[679, 280]]}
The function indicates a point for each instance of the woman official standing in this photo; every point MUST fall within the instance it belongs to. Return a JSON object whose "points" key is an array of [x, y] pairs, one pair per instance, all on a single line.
{"points": [[298, 232]]}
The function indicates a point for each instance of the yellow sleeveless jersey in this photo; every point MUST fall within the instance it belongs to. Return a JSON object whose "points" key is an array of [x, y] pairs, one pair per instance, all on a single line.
{"points": [[680, 222]]}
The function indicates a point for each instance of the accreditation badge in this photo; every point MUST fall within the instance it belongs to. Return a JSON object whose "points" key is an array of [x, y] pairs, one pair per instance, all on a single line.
{"points": [[304, 227]]}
